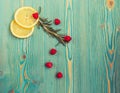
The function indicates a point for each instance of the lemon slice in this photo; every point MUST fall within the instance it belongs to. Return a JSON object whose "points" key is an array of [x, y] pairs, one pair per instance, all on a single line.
{"points": [[23, 17], [19, 31]]}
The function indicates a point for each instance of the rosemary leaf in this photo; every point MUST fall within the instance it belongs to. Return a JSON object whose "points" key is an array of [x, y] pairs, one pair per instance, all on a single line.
{"points": [[46, 25]]}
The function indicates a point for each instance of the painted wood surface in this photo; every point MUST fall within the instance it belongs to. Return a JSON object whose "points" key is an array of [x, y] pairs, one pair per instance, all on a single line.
{"points": [[90, 63]]}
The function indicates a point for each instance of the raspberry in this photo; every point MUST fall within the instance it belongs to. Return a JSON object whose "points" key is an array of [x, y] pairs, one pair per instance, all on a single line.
{"points": [[35, 15], [57, 21]]}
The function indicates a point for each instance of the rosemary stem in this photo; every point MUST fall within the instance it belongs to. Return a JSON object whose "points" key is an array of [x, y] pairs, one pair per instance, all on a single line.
{"points": [[52, 33]]}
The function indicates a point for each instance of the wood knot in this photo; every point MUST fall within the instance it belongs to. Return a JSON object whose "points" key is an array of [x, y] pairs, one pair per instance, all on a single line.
{"points": [[102, 26], [110, 4], [111, 64], [24, 56], [111, 51]]}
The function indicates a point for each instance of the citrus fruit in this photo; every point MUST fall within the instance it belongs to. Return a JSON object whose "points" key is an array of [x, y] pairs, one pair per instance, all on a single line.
{"points": [[19, 31], [24, 17]]}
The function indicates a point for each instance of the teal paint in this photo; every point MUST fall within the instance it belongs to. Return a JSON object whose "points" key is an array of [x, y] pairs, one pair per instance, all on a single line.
{"points": [[90, 63]]}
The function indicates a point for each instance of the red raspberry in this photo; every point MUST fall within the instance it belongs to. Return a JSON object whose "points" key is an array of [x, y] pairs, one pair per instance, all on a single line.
{"points": [[59, 75], [35, 15], [53, 51], [49, 64], [67, 39], [57, 21]]}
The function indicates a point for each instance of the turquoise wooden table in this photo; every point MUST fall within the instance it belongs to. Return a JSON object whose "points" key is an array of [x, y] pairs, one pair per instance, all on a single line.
{"points": [[90, 62]]}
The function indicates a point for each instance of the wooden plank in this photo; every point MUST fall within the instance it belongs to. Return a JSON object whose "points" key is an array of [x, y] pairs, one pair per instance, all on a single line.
{"points": [[90, 63]]}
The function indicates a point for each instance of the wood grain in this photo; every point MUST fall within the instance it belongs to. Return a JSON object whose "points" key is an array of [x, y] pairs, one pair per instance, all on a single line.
{"points": [[89, 63]]}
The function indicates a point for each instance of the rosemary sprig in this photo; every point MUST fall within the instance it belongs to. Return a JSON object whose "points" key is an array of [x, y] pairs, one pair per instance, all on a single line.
{"points": [[46, 25]]}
